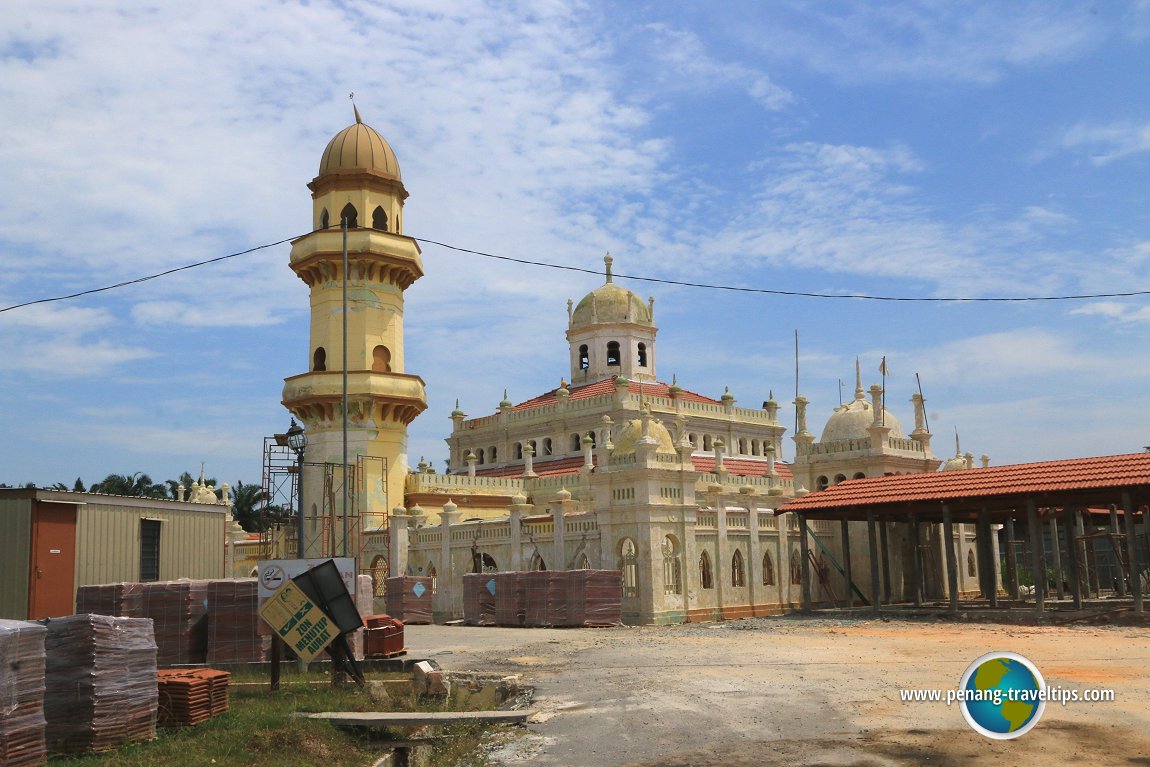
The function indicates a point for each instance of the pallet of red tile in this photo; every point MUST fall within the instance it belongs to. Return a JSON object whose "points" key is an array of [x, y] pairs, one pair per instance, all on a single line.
{"points": [[22, 723]]}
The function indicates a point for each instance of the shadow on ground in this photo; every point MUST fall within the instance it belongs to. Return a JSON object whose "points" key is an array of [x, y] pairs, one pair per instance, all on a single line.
{"points": [[1048, 743]]}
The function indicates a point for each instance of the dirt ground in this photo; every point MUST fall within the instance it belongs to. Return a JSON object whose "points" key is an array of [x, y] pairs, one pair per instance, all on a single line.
{"points": [[799, 691]]}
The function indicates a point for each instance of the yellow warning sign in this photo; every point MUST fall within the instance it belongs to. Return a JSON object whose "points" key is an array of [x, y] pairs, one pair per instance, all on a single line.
{"points": [[305, 628]]}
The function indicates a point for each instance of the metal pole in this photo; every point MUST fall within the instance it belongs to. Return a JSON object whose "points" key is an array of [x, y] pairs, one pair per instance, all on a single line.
{"points": [[844, 529], [872, 541], [1037, 560], [1011, 560], [1132, 552], [1056, 556], [1072, 552], [805, 565], [344, 387], [884, 544], [951, 563], [299, 502], [916, 562]]}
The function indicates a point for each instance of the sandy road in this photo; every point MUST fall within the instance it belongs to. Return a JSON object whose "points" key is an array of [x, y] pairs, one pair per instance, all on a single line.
{"points": [[788, 691]]}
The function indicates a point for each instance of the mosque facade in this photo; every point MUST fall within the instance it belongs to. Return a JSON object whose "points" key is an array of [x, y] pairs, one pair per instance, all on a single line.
{"points": [[613, 468]]}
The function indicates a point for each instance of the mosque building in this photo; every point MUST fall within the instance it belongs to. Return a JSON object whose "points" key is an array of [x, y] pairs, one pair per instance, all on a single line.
{"points": [[613, 468]]}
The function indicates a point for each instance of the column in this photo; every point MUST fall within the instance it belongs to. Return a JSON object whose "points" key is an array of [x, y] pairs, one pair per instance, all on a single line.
{"points": [[951, 564], [445, 581], [399, 542]]}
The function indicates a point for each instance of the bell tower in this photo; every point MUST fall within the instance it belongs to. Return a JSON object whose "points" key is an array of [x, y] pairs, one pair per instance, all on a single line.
{"points": [[358, 186]]}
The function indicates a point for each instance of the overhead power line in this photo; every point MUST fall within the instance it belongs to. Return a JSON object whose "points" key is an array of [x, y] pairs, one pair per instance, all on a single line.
{"points": [[637, 277]]}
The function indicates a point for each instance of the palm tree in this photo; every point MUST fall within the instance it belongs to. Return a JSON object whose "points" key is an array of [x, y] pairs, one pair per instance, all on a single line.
{"points": [[248, 500], [77, 486], [139, 485]]}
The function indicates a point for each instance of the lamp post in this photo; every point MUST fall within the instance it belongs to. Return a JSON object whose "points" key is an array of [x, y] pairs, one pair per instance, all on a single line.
{"points": [[297, 441]]}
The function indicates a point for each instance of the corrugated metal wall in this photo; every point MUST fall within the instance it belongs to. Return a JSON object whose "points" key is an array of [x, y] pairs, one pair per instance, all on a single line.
{"points": [[15, 547], [108, 542]]}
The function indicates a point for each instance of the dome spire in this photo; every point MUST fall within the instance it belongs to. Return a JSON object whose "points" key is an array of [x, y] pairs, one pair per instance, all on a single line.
{"points": [[355, 109], [607, 261], [858, 381]]}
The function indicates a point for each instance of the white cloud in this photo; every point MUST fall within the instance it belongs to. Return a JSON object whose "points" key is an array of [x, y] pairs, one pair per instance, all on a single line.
{"points": [[1107, 143]]}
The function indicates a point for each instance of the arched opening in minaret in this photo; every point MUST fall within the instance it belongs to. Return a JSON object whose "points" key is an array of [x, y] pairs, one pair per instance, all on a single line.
{"points": [[613, 353], [840, 478], [859, 475], [319, 359], [822, 482], [349, 215], [381, 359], [324, 219], [707, 442], [494, 459], [519, 451], [546, 446], [584, 359], [642, 355], [481, 454], [576, 443], [379, 219]]}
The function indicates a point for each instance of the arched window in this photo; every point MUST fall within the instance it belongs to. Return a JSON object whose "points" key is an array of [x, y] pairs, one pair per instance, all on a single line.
{"points": [[381, 359], [642, 355], [480, 456], [349, 215], [324, 219], [433, 574], [707, 442], [705, 574], [672, 569], [519, 451], [534, 447], [319, 359], [492, 452], [584, 360], [546, 446], [822, 482], [489, 564], [971, 565], [694, 440], [576, 443], [796, 568], [594, 441], [537, 563], [742, 445], [768, 569], [584, 562], [859, 475], [754, 447], [379, 219], [630, 567], [379, 576], [738, 571], [613, 353], [840, 478]]}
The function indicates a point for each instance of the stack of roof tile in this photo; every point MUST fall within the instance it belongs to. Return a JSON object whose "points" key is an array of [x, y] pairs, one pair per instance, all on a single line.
{"points": [[546, 598], [235, 632], [126, 599], [479, 599], [179, 612], [22, 694], [595, 598], [187, 698], [100, 683], [509, 599], [409, 598]]}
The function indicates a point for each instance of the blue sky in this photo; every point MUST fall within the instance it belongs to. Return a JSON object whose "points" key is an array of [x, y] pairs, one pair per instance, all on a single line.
{"points": [[899, 148]]}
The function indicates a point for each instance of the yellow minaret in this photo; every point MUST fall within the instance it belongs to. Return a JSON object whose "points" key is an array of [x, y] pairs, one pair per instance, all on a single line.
{"points": [[358, 181]]}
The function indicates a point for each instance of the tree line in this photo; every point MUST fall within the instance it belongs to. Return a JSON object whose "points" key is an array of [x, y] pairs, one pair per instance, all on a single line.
{"points": [[249, 507]]}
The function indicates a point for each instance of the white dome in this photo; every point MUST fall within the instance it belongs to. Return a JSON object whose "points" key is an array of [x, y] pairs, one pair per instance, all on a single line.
{"points": [[851, 421]]}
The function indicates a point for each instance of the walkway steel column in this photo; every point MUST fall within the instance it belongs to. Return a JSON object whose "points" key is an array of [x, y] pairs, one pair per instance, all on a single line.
{"points": [[951, 563], [916, 562], [1072, 552], [1037, 560], [1132, 553], [884, 544], [986, 556], [1011, 561], [1120, 585], [805, 555], [1090, 577], [872, 539], [1056, 555], [844, 527]]}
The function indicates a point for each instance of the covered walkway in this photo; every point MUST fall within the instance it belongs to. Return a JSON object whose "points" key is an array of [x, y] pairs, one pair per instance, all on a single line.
{"points": [[1052, 495]]}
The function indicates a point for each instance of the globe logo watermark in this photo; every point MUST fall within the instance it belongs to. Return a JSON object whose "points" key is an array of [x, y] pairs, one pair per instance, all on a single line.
{"points": [[1002, 695]]}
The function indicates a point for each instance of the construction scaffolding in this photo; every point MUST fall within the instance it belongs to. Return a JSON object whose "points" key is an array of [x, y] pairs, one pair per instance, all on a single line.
{"points": [[327, 530]]}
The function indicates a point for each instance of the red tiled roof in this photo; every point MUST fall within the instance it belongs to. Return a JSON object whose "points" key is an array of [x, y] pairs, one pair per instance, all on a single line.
{"points": [[569, 465], [740, 467], [1044, 481], [655, 389]]}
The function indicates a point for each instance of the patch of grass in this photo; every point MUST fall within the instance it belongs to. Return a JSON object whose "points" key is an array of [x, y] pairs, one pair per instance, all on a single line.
{"points": [[257, 731]]}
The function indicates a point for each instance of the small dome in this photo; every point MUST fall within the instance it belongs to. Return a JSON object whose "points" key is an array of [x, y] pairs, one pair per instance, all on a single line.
{"points": [[359, 147], [851, 421], [610, 303], [955, 464], [632, 431]]}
